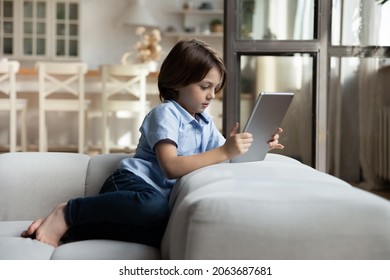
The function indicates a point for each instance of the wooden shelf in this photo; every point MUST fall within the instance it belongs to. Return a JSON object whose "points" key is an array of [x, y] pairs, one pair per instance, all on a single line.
{"points": [[196, 23], [194, 34], [198, 11]]}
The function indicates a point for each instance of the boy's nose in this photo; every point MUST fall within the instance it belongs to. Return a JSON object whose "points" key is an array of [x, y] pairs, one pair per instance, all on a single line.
{"points": [[211, 95]]}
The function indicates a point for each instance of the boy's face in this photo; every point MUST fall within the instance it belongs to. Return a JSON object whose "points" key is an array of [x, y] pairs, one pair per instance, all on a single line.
{"points": [[195, 98]]}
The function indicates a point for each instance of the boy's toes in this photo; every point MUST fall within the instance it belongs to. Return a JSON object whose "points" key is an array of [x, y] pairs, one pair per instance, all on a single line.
{"points": [[30, 232], [25, 234]]}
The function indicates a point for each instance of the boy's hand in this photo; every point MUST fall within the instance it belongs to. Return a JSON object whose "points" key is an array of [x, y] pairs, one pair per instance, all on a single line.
{"points": [[274, 141], [237, 143]]}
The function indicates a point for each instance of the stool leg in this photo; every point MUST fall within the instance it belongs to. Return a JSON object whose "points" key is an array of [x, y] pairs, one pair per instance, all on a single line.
{"points": [[42, 130], [23, 128], [81, 131], [12, 130], [105, 130], [12, 118]]}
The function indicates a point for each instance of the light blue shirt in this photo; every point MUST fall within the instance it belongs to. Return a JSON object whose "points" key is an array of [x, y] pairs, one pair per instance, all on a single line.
{"points": [[170, 121]]}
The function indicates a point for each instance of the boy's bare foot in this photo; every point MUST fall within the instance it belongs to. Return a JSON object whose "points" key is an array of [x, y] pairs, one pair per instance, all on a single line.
{"points": [[51, 229], [30, 231]]}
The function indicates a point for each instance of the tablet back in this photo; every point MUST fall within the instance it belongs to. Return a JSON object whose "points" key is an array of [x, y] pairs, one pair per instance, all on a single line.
{"points": [[264, 121]]}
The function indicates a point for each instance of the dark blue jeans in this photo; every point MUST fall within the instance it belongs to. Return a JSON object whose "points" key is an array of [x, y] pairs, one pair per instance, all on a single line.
{"points": [[127, 208]]}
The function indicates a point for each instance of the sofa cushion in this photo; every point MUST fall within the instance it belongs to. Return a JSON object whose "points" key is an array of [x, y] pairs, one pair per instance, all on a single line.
{"points": [[17, 248], [31, 184], [99, 168], [13, 247], [105, 250], [274, 209], [13, 228]]}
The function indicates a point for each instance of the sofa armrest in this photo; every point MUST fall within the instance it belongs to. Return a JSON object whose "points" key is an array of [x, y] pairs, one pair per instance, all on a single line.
{"points": [[274, 209]]}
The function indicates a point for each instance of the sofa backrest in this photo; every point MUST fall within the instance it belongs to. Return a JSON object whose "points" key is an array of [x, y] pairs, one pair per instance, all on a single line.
{"points": [[31, 184], [100, 167]]}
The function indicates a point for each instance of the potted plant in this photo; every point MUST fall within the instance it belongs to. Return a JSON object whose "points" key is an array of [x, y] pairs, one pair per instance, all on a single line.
{"points": [[216, 25]]}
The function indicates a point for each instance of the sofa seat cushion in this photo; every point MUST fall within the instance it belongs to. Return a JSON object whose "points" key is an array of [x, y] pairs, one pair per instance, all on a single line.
{"points": [[13, 228], [17, 248], [105, 250], [13, 247]]}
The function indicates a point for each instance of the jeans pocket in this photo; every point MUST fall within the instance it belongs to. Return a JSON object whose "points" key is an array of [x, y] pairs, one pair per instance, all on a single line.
{"points": [[120, 179]]}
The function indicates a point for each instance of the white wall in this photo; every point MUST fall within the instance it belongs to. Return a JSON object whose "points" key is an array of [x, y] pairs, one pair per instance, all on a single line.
{"points": [[104, 39]]}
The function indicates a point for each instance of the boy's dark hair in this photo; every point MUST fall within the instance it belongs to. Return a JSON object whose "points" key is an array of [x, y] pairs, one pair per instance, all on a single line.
{"points": [[188, 62]]}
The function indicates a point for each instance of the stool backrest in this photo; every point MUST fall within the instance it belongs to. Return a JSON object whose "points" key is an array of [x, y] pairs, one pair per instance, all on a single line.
{"points": [[8, 70], [62, 77]]}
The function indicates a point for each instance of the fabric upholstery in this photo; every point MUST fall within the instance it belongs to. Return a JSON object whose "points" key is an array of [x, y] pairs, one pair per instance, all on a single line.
{"points": [[31, 184], [274, 209]]}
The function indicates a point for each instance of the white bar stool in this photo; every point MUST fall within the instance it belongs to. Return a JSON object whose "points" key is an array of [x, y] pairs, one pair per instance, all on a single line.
{"points": [[120, 81], [62, 77]]}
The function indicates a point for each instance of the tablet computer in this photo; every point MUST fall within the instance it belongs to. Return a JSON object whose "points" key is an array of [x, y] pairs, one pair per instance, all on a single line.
{"points": [[264, 121]]}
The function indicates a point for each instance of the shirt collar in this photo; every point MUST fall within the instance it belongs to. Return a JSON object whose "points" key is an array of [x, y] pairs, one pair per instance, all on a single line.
{"points": [[204, 117]]}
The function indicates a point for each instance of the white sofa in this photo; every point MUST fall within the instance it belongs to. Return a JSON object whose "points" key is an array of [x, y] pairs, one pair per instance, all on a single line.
{"points": [[274, 209]]}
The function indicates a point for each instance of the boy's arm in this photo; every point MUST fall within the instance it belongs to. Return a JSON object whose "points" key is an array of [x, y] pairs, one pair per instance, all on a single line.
{"points": [[175, 166]]}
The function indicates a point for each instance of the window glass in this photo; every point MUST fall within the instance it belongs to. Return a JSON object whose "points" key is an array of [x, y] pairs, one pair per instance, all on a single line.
{"points": [[73, 29], [27, 9], [61, 11], [358, 101], [27, 46], [41, 10], [8, 27], [360, 22], [276, 19], [60, 29], [60, 48], [8, 9], [8, 46], [41, 28], [73, 48], [27, 28], [287, 74], [41, 48], [73, 11]]}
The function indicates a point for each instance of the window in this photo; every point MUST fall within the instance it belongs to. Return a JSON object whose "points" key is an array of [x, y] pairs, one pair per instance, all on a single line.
{"points": [[46, 29], [276, 20], [358, 99], [283, 73], [335, 56], [67, 29], [7, 26], [275, 49], [34, 28]]}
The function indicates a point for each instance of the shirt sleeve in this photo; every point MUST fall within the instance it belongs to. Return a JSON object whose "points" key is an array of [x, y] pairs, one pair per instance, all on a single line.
{"points": [[162, 123], [216, 138]]}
